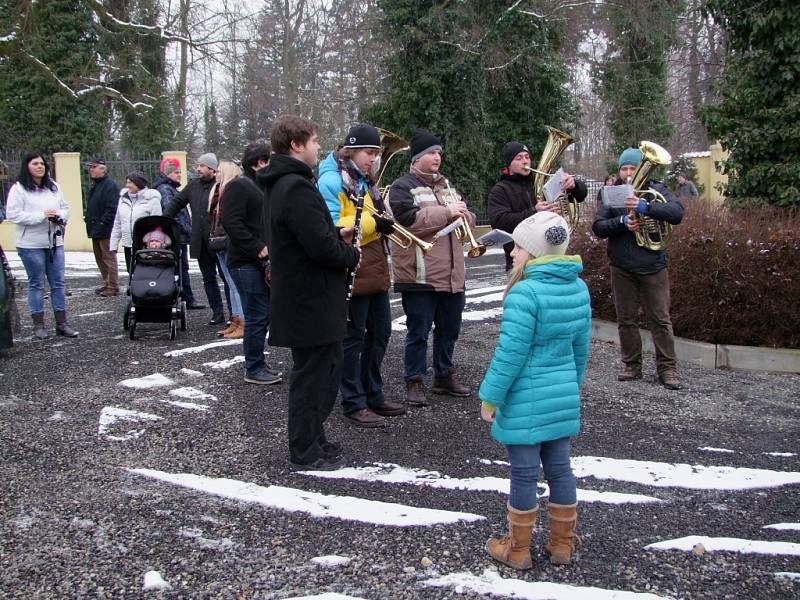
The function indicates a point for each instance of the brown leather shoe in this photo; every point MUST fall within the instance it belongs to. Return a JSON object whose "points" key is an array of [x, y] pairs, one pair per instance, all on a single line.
{"points": [[387, 408], [629, 373], [366, 418], [448, 385], [669, 379], [415, 394]]}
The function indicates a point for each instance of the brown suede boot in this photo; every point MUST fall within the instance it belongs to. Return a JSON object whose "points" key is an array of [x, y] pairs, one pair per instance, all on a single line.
{"points": [[448, 385], [236, 331], [415, 394], [228, 328], [514, 549], [39, 332], [62, 328], [563, 539]]}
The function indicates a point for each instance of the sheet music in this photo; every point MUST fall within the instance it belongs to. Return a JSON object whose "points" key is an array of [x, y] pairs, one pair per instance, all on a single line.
{"points": [[552, 189], [613, 196], [495, 237]]}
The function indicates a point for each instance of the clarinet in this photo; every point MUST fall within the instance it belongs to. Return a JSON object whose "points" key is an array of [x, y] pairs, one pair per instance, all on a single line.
{"points": [[351, 273]]}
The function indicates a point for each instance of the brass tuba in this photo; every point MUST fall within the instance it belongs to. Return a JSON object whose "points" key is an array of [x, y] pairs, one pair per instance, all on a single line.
{"points": [[557, 142], [391, 144], [652, 234]]}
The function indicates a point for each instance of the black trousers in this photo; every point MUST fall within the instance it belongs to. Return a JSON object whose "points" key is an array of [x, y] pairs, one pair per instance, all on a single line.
{"points": [[313, 386]]}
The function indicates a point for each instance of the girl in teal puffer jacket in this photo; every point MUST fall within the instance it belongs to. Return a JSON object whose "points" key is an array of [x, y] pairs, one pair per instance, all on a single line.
{"points": [[531, 391]]}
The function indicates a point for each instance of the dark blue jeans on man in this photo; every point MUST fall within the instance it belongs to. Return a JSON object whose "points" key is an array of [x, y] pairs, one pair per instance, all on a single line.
{"points": [[364, 349], [442, 310], [208, 264], [186, 282], [254, 294]]}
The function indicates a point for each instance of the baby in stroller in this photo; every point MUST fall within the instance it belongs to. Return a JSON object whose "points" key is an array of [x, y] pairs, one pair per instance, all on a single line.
{"points": [[156, 239]]}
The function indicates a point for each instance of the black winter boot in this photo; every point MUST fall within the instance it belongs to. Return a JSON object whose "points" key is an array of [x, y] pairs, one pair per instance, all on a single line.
{"points": [[61, 325]]}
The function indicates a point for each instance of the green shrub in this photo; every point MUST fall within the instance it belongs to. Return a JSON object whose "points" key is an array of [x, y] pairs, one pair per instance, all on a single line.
{"points": [[734, 274]]}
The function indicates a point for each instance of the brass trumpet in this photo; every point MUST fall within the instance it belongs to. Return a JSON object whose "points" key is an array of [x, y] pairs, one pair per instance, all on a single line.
{"points": [[463, 232], [401, 236]]}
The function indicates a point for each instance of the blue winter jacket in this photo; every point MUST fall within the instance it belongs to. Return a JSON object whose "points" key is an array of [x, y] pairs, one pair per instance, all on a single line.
{"points": [[540, 359]]}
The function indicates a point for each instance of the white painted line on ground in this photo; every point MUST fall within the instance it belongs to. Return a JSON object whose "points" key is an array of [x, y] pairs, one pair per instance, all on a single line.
{"points": [[112, 414], [192, 393], [783, 526], [224, 364], [696, 477], [491, 583], [203, 348], [147, 382], [712, 449], [317, 505], [330, 561], [726, 544], [391, 473]]}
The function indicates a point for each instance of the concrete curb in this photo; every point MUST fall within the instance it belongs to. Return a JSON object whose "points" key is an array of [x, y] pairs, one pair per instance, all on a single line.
{"points": [[713, 356]]}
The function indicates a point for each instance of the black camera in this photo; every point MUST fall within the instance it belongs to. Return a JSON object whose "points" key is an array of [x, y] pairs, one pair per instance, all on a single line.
{"points": [[57, 220]]}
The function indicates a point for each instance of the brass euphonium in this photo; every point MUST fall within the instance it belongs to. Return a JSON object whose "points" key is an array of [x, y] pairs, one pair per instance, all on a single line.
{"points": [[557, 142], [652, 234]]}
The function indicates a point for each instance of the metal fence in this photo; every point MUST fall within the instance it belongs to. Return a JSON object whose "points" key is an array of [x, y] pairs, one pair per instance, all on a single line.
{"points": [[120, 164], [9, 169]]}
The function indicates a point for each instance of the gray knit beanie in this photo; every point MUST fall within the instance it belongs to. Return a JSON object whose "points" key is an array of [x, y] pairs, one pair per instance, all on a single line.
{"points": [[209, 159]]}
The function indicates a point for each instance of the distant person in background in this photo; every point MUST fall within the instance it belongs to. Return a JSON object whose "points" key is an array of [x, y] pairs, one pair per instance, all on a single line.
{"points": [[611, 179], [101, 208], [167, 184], [686, 190], [40, 212], [136, 200]]}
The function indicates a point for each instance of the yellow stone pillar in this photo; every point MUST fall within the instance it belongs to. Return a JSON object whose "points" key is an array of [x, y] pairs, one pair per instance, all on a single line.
{"points": [[717, 154], [68, 175], [183, 159]]}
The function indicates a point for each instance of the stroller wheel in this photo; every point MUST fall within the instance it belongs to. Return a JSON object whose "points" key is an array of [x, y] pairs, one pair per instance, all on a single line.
{"points": [[173, 329], [126, 317], [132, 330]]}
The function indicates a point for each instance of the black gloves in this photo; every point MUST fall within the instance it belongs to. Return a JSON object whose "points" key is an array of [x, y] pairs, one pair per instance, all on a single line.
{"points": [[383, 225]]}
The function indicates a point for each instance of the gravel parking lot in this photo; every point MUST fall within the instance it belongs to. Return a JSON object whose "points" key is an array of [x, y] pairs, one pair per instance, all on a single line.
{"points": [[187, 475]]}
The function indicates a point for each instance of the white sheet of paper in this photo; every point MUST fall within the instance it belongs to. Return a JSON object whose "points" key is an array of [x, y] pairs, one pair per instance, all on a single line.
{"points": [[552, 189], [495, 237], [613, 196]]}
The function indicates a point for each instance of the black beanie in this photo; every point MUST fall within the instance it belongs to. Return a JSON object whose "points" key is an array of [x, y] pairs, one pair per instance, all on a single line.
{"points": [[362, 135], [139, 179], [511, 149], [422, 142]]}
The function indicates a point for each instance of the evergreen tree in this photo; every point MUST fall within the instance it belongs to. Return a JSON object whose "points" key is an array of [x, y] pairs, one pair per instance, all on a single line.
{"points": [[33, 113], [476, 74], [633, 77], [757, 118]]}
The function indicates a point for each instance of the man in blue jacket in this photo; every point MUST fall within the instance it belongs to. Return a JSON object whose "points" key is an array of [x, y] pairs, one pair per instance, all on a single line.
{"points": [[638, 272], [101, 208]]}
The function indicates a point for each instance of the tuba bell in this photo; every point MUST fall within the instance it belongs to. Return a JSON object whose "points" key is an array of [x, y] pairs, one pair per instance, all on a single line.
{"points": [[557, 142], [652, 234]]}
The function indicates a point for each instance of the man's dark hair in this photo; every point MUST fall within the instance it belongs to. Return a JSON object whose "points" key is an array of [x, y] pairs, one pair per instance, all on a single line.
{"points": [[25, 179], [253, 153], [288, 129]]}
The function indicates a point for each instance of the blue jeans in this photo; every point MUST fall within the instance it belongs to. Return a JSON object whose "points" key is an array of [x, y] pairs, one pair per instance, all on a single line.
{"points": [[424, 309], [254, 293], [554, 457], [38, 265], [208, 267], [233, 293], [364, 348], [186, 282]]}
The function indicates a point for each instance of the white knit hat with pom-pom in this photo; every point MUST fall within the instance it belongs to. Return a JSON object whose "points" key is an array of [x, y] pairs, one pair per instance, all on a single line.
{"points": [[542, 233]]}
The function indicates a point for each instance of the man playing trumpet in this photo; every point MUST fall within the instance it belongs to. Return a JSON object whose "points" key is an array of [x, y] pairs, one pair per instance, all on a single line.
{"points": [[511, 200], [345, 174], [432, 283]]}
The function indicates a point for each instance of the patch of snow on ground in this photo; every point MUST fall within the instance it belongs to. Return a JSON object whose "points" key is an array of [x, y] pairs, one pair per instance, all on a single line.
{"points": [[712, 449], [203, 348], [207, 543], [491, 583], [696, 477], [147, 382], [325, 596], [192, 393], [111, 415], [782, 454], [224, 364], [725, 544], [391, 473], [788, 575], [56, 416], [783, 526], [191, 372], [94, 314], [187, 405], [154, 582], [330, 561], [317, 505]]}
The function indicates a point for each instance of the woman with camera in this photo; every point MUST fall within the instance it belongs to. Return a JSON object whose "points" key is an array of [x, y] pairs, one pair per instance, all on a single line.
{"points": [[39, 210]]}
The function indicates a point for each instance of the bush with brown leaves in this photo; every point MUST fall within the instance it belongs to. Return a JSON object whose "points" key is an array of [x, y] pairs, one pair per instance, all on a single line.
{"points": [[734, 274]]}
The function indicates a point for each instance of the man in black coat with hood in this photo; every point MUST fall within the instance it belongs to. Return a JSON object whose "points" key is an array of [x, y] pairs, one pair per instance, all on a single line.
{"points": [[101, 208], [308, 307], [511, 199]]}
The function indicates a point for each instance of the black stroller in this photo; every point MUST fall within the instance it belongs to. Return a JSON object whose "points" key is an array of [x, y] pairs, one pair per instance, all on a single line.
{"points": [[155, 285]]}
